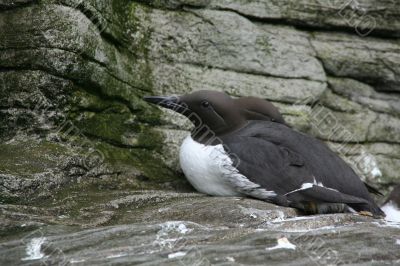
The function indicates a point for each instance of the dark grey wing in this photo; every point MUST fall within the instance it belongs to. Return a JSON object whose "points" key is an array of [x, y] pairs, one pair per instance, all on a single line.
{"points": [[272, 167], [278, 169], [321, 162]]}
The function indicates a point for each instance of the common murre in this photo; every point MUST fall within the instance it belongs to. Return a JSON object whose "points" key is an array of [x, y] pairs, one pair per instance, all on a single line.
{"points": [[228, 154]]}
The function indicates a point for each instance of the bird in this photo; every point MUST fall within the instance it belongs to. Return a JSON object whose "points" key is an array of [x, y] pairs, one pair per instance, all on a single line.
{"points": [[391, 206], [231, 153]]}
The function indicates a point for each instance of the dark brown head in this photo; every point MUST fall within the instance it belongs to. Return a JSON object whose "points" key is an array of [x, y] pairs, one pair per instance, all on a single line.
{"points": [[217, 110], [214, 109]]}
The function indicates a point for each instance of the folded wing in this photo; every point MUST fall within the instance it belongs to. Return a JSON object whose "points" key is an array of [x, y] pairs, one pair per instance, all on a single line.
{"points": [[278, 168]]}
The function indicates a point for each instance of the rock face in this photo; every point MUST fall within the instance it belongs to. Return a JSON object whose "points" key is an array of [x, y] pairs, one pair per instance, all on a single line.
{"points": [[77, 143], [73, 74], [72, 77]]}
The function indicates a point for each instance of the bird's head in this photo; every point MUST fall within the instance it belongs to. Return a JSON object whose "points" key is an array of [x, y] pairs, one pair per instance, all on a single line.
{"points": [[217, 111]]}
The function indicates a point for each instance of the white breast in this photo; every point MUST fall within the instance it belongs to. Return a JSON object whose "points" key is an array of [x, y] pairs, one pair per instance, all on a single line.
{"points": [[204, 165], [209, 169]]}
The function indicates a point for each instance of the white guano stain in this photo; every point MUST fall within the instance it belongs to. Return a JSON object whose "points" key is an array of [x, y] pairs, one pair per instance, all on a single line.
{"points": [[72, 261], [118, 255], [283, 243], [176, 254], [168, 229], [230, 259], [33, 249]]}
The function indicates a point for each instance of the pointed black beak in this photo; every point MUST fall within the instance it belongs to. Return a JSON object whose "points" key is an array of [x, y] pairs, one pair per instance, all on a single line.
{"points": [[169, 102]]}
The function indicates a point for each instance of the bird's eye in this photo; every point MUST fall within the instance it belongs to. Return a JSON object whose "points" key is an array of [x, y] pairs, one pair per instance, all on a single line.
{"points": [[205, 104]]}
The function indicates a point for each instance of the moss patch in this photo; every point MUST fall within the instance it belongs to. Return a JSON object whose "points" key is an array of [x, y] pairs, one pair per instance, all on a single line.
{"points": [[28, 157]]}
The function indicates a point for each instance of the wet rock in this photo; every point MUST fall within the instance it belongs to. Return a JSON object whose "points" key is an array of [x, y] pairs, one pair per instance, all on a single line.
{"points": [[156, 227]]}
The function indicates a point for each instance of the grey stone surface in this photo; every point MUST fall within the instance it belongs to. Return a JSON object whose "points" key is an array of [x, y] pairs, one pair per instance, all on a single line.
{"points": [[362, 16], [154, 227]]}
